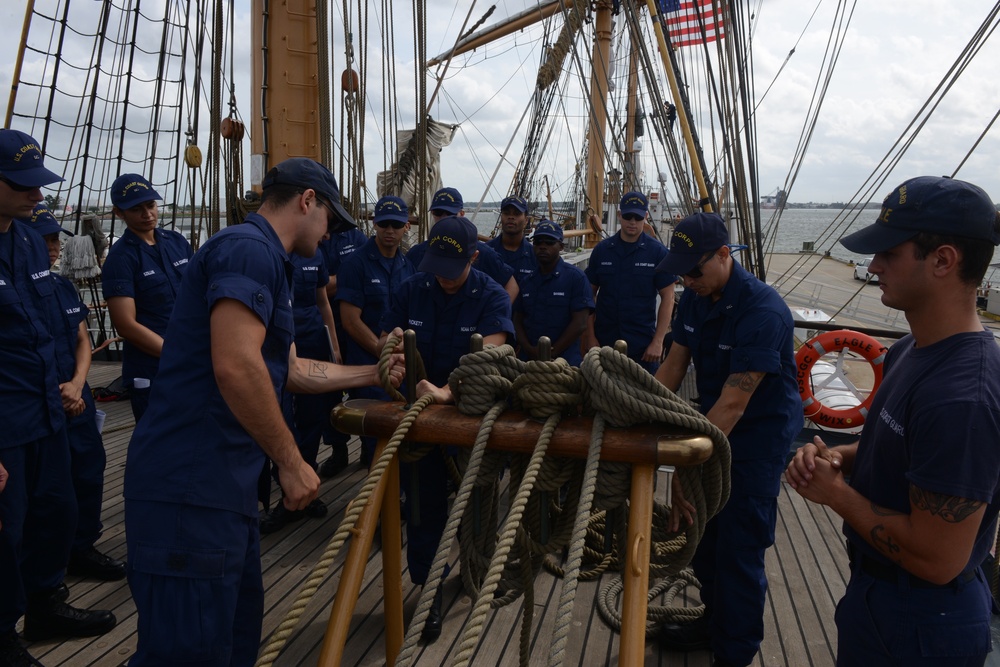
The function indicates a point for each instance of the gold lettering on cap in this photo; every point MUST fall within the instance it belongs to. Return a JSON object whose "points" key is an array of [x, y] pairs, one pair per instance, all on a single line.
{"points": [[884, 215], [684, 238]]}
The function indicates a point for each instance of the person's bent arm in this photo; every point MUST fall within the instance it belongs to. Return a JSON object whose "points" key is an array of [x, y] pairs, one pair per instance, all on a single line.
{"points": [[512, 289], [733, 400], [310, 376], [589, 337], [654, 351], [443, 394], [237, 335], [673, 369], [933, 541], [72, 391], [800, 468], [122, 311], [576, 327], [528, 347]]}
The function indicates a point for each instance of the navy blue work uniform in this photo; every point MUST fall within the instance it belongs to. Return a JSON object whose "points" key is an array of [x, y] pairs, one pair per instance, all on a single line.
{"points": [[749, 329], [548, 302], [443, 324], [887, 616], [488, 262], [37, 508], [626, 308], [151, 275], [336, 250], [521, 261], [87, 455], [311, 411], [366, 280], [192, 470]]}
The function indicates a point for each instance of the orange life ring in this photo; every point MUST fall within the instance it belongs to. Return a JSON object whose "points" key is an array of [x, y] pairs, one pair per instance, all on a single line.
{"points": [[834, 341]]}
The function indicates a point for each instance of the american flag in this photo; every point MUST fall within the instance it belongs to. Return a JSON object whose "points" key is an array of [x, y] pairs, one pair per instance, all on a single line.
{"points": [[686, 19]]}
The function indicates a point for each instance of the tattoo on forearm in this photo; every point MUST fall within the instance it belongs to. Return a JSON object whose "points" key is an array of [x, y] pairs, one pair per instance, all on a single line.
{"points": [[746, 381], [882, 541], [950, 508], [317, 369], [878, 510]]}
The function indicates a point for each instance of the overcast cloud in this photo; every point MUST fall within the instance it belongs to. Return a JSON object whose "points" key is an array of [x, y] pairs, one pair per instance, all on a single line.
{"points": [[895, 54]]}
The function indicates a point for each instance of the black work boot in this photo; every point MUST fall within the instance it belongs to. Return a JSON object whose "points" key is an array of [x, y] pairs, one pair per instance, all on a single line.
{"points": [[336, 464], [432, 628], [48, 617], [691, 636], [13, 654], [92, 564]]}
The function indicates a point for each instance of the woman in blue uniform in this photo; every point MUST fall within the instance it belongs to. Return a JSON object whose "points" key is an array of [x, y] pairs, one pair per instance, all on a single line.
{"points": [[141, 276]]}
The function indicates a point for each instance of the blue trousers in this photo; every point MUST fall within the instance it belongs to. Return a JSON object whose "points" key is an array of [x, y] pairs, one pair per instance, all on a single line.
{"points": [[88, 460], [729, 563], [425, 523], [887, 624], [195, 577], [38, 517]]}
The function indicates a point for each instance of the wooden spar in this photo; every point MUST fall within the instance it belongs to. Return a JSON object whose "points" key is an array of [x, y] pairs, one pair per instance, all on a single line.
{"points": [[699, 171], [631, 181], [654, 444], [286, 77], [16, 77], [518, 22], [598, 114]]}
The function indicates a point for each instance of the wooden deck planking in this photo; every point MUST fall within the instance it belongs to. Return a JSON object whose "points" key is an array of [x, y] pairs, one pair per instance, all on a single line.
{"points": [[806, 568]]}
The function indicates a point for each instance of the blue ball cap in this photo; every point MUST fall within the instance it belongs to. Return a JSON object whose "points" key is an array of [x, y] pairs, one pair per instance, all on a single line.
{"points": [[447, 199], [391, 208], [130, 190], [934, 204], [21, 160], [43, 222], [549, 229], [520, 203], [634, 202], [305, 173], [450, 246], [693, 237]]}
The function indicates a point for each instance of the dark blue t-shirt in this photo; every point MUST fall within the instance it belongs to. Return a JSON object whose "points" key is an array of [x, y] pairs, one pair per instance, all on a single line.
{"points": [[934, 424]]}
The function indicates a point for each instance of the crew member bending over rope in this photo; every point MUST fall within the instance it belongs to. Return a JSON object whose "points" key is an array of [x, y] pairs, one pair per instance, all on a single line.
{"points": [[193, 462], [738, 332], [445, 303]]}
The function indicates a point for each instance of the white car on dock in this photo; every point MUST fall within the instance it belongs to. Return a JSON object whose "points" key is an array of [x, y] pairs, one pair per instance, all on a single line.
{"points": [[861, 271]]}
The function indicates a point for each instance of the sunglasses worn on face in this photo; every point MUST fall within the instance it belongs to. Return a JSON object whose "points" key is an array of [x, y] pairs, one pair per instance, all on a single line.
{"points": [[696, 271], [16, 187], [395, 224], [440, 213], [632, 217]]}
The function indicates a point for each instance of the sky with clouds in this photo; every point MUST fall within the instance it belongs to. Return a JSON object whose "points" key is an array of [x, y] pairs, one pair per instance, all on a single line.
{"points": [[894, 55]]}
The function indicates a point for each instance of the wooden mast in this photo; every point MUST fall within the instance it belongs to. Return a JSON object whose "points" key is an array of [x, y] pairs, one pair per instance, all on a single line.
{"points": [[598, 117], [286, 74]]}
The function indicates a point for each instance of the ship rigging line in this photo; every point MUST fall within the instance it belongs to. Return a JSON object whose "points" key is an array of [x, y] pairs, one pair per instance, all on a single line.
{"points": [[841, 224]]}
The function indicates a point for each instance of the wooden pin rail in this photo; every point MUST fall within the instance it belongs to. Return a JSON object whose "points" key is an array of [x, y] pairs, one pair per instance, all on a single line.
{"points": [[645, 446]]}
